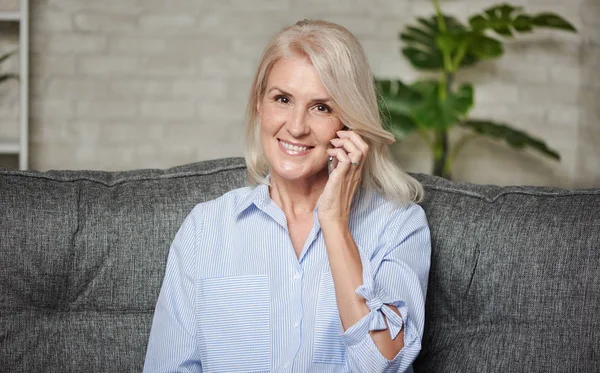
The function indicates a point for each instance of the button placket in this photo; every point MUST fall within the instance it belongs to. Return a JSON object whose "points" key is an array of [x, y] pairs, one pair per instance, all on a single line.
{"points": [[297, 278]]}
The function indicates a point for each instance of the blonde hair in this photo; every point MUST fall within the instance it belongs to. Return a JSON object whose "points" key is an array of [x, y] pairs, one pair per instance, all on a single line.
{"points": [[342, 65]]}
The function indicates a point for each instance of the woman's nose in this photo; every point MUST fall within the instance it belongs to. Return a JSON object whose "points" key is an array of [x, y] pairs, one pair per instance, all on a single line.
{"points": [[297, 124]]}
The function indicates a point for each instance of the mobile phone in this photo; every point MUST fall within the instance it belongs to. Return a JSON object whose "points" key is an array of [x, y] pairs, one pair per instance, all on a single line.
{"points": [[331, 164]]}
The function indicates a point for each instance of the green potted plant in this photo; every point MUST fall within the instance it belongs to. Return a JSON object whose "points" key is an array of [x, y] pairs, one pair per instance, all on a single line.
{"points": [[432, 107]]}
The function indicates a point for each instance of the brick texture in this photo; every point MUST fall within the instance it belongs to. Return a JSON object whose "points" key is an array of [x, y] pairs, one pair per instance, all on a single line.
{"points": [[154, 83], [588, 151]]}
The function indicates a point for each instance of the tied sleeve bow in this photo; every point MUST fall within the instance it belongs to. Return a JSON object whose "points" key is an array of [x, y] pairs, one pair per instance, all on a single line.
{"points": [[375, 295]]}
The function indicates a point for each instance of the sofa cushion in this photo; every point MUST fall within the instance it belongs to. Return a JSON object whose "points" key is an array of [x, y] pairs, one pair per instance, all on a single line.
{"points": [[514, 284], [83, 256]]}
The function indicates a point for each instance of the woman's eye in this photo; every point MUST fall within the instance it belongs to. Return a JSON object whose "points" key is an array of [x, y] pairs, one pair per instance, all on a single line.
{"points": [[323, 108], [282, 99]]}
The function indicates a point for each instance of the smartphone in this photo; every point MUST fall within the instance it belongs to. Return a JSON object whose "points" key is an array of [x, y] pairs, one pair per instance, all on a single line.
{"points": [[331, 164]]}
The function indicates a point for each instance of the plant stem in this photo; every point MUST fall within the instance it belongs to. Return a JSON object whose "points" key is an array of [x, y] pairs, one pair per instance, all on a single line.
{"points": [[449, 81], [460, 54], [440, 18], [440, 154], [441, 146], [441, 23]]}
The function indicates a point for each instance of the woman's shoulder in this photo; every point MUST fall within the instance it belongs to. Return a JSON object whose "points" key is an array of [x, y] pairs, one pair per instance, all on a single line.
{"points": [[373, 202], [228, 202], [389, 221]]}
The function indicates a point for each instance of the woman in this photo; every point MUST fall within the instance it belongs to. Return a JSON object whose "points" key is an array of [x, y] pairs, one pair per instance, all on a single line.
{"points": [[306, 271]]}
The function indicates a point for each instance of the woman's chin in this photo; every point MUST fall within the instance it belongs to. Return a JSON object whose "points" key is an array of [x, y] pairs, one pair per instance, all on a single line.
{"points": [[297, 173]]}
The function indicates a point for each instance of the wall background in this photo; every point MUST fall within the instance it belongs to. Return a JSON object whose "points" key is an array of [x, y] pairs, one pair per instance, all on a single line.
{"points": [[147, 83]]}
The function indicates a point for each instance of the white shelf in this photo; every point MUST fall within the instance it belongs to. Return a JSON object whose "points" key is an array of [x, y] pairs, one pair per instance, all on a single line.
{"points": [[10, 16], [10, 147]]}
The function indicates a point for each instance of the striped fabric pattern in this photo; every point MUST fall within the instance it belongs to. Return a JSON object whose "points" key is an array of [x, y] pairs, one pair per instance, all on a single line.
{"points": [[236, 298]]}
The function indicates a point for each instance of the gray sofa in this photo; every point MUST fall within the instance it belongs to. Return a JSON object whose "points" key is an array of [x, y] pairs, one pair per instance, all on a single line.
{"points": [[514, 283]]}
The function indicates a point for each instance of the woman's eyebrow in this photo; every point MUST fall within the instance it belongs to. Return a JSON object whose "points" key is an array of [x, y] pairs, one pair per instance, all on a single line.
{"points": [[323, 100]]}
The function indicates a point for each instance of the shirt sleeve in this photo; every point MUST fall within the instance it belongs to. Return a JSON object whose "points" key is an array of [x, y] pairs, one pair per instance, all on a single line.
{"points": [[172, 345], [394, 273]]}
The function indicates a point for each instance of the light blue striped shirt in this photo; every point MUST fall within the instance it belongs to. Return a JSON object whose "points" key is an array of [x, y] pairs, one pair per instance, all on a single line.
{"points": [[236, 298]]}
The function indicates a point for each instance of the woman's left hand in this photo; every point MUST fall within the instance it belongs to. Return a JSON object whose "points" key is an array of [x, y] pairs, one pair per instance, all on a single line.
{"points": [[350, 150]]}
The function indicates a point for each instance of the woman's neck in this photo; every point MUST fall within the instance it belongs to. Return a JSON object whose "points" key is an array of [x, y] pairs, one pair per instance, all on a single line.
{"points": [[297, 197]]}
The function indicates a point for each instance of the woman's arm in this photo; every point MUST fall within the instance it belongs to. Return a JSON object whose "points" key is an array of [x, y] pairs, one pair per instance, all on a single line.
{"points": [[172, 343], [390, 296], [347, 272]]}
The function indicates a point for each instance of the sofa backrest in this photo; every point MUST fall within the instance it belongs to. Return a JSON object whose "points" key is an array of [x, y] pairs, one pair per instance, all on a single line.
{"points": [[82, 257], [514, 282]]}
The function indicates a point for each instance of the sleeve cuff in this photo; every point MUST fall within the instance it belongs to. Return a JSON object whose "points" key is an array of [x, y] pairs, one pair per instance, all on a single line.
{"points": [[378, 306]]}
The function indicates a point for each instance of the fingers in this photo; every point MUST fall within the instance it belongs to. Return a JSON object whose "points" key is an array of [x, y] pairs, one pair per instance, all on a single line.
{"points": [[353, 144], [343, 161], [355, 139], [353, 152]]}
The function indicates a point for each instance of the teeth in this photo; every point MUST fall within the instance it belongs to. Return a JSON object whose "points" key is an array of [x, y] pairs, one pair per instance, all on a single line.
{"points": [[293, 147]]}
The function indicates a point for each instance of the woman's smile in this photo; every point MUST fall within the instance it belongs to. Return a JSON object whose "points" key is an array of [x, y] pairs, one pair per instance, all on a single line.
{"points": [[294, 149]]}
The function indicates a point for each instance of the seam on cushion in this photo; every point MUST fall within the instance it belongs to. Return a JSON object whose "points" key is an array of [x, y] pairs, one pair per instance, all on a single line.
{"points": [[73, 254], [176, 175], [474, 269], [563, 193]]}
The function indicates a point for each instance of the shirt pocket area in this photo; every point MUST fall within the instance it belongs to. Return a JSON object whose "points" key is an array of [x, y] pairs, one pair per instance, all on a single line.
{"points": [[234, 324], [328, 344]]}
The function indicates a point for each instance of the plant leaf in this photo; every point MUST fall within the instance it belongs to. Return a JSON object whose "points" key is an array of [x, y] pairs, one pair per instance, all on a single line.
{"points": [[485, 47], [498, 18], [419, 36], [515, 138], [523, 23], [422, 43], [398, 97], [425, 87], [6, 56], [426, 60], [396, 104], [449, 42], [506, 20], [5, 77], [476, 43], [400, 125], [435, 114], [552, 20]]}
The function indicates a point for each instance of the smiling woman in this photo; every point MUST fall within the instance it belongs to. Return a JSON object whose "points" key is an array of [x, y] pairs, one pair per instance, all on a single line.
{"points": [[296, 123], [306, 270]]}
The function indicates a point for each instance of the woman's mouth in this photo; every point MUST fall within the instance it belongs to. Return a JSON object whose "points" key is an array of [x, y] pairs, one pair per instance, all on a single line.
{"points": [[293, 149]]}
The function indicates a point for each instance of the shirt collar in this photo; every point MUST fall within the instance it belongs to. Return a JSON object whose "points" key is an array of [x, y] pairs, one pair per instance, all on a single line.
{"points": [[259, 196]]}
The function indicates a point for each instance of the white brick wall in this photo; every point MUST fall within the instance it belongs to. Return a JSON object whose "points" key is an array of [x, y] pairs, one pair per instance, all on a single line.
{"points": [[588, 152], [155, 83]]}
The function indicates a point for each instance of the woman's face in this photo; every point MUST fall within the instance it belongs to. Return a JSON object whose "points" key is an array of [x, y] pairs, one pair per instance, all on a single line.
{"points": [[296, 121]]}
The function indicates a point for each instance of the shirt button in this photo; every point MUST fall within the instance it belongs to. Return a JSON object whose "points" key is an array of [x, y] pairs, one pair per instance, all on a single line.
{"points": [[297, 276], [286, 365], [296, 324]]}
